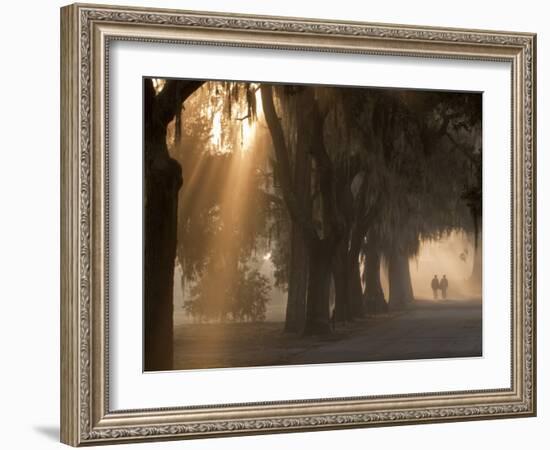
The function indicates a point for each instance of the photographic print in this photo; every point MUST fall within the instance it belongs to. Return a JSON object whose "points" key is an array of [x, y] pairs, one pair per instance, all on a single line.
{"points": [[256, 208], [310, 224]]}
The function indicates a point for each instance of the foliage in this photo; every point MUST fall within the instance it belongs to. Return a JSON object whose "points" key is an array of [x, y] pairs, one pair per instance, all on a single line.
{"points": [[245, 301], [413, 157], [229, 210]]}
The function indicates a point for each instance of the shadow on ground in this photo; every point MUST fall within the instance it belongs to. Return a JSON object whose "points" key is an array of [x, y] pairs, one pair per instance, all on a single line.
{"points": [[50, 432], [426, 330]]}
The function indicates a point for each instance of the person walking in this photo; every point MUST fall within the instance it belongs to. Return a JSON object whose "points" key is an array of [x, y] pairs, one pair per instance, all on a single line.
{"points": [[435, 287], [444, 285]]}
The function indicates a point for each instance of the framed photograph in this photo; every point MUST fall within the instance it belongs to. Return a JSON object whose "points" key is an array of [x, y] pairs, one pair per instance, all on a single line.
{"points": [[275, 225]]}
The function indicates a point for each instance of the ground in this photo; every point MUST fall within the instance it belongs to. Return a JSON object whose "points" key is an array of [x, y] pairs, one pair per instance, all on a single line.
{"points": [[427, 329]]}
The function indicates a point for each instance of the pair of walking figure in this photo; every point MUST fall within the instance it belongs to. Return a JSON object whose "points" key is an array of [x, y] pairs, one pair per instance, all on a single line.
{"points": [[442, 284]]}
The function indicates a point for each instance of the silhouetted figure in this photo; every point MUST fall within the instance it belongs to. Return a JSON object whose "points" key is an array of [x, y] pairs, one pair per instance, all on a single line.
{"points": [[444, 285], [435, 286]]}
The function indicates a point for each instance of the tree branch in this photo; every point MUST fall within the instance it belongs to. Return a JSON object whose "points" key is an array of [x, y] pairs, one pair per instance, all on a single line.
{"points": [[283, 165], [175, 92], [464, 149], [326, 171]]}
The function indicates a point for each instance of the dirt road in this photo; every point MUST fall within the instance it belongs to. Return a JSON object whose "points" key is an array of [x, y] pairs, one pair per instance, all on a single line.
{"points": [[427, 329]]}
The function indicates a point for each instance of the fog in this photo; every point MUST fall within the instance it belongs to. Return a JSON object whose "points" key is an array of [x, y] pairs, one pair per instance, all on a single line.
{"points": [[226, 163], [452, 256]]}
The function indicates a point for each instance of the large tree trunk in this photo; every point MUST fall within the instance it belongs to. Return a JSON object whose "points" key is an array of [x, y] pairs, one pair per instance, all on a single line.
{"points": [[297, 283], [401, 292], [374, 294], [299, 262], [354, 276], [349, 296], [163, 180], [341, 283], [349, 299], [320, 274], [320, 250]]}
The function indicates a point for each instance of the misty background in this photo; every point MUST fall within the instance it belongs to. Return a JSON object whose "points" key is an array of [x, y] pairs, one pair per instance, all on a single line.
{"points": [[452, 255]]}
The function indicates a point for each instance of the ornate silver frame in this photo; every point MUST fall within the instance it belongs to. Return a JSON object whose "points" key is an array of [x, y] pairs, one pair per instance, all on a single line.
{"points": [[86, 31]]}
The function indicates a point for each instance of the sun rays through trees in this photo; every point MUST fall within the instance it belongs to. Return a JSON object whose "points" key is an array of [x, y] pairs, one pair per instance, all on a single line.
{"points": [[313, 206]]}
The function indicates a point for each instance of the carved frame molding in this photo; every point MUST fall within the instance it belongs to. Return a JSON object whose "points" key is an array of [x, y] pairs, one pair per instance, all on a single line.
{"points": [[86, 31]]}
